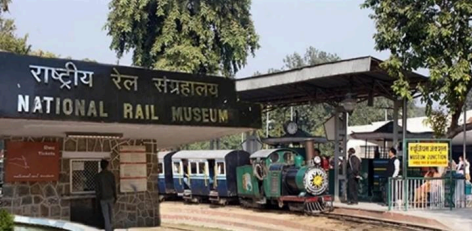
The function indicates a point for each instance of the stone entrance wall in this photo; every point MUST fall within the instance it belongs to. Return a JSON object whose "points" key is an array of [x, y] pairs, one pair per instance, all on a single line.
{"points": [[37, 199], [53, 199]]}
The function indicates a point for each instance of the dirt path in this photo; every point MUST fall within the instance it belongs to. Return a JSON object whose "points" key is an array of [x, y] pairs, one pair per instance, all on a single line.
{"points": [[237, 218]]}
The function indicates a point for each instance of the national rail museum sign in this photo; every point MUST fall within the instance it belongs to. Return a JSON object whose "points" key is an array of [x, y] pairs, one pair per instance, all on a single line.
{"points": [[57, 89]]}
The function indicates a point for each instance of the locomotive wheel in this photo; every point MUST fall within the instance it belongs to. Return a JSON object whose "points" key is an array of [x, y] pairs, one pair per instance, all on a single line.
{"points": [[223, 202], [281, 204]]}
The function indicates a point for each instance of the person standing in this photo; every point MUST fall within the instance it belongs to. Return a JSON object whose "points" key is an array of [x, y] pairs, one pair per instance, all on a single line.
{"points": [[325, 163], [460, 166], [393, 170], [353, 174], [467, 169], [105, 189]]}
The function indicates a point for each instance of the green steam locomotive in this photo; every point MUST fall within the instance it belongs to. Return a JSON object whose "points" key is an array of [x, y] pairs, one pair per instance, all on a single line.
{"points": [[286, 177]]}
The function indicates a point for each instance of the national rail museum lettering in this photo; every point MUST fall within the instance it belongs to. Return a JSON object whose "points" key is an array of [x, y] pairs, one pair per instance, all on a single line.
{"points": [[80, 107], [74, 90]]}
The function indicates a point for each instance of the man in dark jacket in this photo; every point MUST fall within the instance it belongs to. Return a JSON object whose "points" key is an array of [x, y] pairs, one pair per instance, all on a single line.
{"points": [[393, 171], [353, 176], [105, 189]]}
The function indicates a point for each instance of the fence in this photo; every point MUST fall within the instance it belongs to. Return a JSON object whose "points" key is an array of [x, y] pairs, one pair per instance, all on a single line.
{"points": [[415, 193]]}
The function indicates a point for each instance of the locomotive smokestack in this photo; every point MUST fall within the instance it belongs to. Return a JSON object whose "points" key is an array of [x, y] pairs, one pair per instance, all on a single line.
{"points": [[309, 150]]}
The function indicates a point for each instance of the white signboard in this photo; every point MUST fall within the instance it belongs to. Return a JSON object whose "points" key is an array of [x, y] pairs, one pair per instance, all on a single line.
{"points": [[133, 169], [133, 185], [133, 157]]}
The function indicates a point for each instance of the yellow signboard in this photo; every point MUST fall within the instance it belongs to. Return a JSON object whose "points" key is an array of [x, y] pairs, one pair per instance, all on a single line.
{"points": [[428, 154]]}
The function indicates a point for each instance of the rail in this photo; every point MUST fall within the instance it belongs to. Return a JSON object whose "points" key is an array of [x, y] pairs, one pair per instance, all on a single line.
{"points": [[416, 193]]}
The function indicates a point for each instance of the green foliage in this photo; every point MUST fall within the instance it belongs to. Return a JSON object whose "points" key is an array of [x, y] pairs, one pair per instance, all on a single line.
{"points": [[438, 122], [9, 40], [436, 35], [203, 36], [312, 117], [6, 221], [44, 54]]}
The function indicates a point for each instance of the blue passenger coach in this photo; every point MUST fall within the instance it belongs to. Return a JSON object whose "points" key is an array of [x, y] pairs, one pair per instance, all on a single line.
{"points": [[202, 174], [165, 179]]}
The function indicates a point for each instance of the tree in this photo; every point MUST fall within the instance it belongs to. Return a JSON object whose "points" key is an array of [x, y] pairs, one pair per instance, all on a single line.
{"points": [[45, 54], [9, 40], [436, 35], [4, 5], [312, 117], [208, 37]]}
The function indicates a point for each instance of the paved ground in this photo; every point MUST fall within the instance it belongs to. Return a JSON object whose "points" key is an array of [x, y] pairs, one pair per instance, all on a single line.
{"points": [[456, 219]]}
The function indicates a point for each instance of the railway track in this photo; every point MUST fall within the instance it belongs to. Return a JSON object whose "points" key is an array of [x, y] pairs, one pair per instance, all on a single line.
{"points": [[234, 217]]}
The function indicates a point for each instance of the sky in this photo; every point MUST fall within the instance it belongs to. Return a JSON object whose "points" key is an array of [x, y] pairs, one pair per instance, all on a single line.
{"points": [[75, 28]]}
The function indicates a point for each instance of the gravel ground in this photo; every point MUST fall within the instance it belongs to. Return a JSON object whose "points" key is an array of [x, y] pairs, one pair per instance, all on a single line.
{"points": [[177, 216]]}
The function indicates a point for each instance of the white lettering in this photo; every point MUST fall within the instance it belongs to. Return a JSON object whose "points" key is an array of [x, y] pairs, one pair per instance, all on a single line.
{"points": [[67, 106], [67, 76], [46, 153], [37, 105], [45, 147], [23, 103], [48, 103]]}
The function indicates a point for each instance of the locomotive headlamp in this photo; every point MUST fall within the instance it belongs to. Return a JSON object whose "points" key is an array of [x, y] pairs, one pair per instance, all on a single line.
{"points": [[317, 160]]}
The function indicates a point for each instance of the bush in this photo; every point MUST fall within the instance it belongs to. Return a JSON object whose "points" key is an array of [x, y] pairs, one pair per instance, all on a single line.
{"points": [[6, 221]]}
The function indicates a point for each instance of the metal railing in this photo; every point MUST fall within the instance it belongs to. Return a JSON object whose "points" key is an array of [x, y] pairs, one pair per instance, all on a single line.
{"points": [[417, 193]]}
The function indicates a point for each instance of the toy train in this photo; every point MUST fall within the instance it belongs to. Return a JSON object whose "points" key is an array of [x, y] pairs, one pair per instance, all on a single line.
{"points": [[283, 177]]}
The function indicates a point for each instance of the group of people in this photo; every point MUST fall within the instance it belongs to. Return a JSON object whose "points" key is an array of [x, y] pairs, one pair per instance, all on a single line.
{"points": [[463, 167], [393, 170], [354, 173]]}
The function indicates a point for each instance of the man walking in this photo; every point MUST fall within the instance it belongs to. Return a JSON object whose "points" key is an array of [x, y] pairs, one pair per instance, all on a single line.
{"points": [[105, 189], [353, 174]]}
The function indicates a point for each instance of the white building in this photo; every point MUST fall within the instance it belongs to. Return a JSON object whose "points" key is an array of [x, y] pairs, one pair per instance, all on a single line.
{"points": [[415, 126]]}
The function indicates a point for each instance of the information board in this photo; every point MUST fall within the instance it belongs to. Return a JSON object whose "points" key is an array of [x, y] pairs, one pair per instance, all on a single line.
{"points": [[428, 154], [31, 161], [133, 169]]}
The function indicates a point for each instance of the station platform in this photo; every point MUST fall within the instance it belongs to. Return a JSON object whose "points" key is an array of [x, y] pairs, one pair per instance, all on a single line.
{"points": [[453, 220]]}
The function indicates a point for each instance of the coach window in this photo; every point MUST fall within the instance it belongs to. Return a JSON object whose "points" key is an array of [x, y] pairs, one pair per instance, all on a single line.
{"points": [[220, 167], [176, 167], [289, 157], [160, 168], [193, 168], [201, 168], [274, 157]]}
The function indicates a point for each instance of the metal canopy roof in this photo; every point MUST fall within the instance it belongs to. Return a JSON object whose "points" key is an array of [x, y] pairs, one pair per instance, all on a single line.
{"points": [[385, 132], [327, 82], [299, 137]]}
